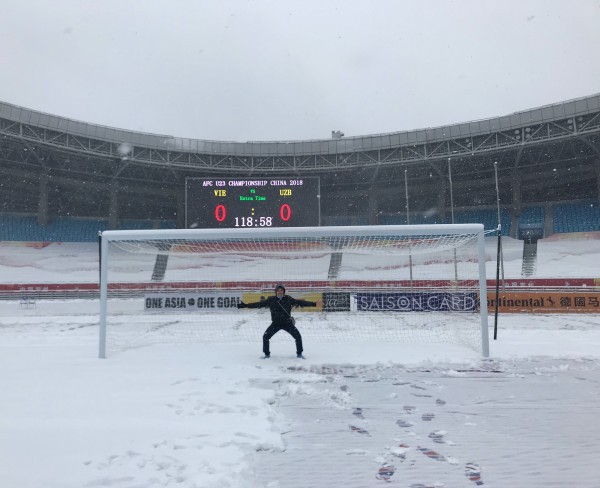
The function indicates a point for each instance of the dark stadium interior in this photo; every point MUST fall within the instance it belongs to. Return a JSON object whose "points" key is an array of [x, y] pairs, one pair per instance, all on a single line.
{"points": [[545, 157]]}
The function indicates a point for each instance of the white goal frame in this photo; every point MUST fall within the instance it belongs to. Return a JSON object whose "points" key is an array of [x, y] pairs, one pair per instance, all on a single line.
{"points": [[107, 237]]}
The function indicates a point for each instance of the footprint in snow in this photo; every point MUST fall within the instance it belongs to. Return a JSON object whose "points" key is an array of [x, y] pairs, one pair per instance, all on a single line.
{"points": [[473, 473], [430, 453], [385, 472], [359, 430], [437, 436], [358, 412]]}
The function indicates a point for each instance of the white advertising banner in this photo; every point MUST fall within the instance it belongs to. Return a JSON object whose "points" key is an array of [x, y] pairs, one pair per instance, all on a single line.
{"points": [[190, 302]]}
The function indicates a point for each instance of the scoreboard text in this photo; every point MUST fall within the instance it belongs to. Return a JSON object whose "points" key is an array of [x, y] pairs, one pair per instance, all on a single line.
{"points": [[266, 202]]}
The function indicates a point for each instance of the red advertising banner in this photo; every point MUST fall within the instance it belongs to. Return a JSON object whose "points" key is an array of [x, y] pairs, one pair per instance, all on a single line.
{"points": [[547, 282]]}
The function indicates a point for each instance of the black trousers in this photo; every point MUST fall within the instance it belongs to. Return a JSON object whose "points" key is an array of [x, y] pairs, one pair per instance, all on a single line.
{"points": [[289, 328]]}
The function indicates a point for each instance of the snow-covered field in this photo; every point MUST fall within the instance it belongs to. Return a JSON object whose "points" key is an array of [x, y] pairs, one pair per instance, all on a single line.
{"points": [[351, 415]]}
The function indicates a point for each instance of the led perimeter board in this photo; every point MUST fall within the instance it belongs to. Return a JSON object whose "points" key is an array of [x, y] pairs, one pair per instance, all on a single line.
{"points": [[216, 203]]}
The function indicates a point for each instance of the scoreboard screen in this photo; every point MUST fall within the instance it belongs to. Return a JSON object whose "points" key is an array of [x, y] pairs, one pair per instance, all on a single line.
{"points": [[261, 202]]}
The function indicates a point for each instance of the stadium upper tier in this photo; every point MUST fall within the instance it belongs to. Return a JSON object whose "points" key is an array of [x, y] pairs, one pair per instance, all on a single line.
{"points": [[568, 119]]}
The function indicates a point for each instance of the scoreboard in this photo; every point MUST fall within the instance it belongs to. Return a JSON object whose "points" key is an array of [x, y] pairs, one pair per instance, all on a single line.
{"points": [[261, 202]]}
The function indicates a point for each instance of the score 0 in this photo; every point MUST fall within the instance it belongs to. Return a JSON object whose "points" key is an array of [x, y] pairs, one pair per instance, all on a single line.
{"points": [[220, 213], [285, 211]]}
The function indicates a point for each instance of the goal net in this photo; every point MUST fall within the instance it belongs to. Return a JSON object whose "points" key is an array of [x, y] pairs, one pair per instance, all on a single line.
{"points": [[413, 284]]}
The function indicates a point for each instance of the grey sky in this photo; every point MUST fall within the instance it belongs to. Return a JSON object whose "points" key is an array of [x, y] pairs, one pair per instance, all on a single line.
{"points": [[245, 70]]}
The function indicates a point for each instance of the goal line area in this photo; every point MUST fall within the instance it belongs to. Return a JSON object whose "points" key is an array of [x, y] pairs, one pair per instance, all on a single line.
{"points": [[407, 284]]}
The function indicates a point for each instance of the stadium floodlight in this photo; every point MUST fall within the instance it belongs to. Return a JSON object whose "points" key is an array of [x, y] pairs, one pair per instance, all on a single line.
{"points": [[359, 277]]}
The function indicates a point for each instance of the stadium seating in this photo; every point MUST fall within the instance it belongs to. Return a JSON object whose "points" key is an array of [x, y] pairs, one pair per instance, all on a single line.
{"points": [[577, 217], [336, 220], [420, 219], [390, 219], [168, 224], [487, 217], [532, 216], [135, 224], [531, 224], [64, 229], [572, 217]]}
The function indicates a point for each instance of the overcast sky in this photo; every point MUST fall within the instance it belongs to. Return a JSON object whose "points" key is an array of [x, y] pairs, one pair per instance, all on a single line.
{"points": [[243, 70]]}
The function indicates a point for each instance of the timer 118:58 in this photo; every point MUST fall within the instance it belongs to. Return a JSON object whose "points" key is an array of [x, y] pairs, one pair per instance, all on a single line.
{"points": [[252, 222]]}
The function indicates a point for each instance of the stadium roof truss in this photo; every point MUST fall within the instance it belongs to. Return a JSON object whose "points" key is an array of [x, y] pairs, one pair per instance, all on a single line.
{"points": [[30, 137]]}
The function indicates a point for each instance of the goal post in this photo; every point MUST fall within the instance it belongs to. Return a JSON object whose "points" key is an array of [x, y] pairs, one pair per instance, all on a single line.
{"points": [[410, 283]]}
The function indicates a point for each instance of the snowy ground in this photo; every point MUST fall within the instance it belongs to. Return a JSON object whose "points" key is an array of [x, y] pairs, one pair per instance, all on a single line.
{"points": [[351, 415], [218, 416]]}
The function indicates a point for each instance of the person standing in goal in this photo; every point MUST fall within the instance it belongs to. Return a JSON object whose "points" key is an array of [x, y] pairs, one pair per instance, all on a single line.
{"points": [[281, 317]]}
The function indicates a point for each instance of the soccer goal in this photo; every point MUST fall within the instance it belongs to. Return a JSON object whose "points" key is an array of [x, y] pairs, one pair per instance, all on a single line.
{"points": [[413, 284]]}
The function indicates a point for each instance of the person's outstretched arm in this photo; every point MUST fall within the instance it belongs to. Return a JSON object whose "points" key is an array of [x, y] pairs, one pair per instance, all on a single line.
{"points": [[260, 304], [302, 303]]}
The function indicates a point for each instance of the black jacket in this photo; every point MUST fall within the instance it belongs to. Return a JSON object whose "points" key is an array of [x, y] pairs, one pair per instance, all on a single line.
{"points": [[281, 309]]}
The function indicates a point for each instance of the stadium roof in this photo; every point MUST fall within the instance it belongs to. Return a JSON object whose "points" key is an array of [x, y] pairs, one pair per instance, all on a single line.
{"points": [[572, 118]]}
